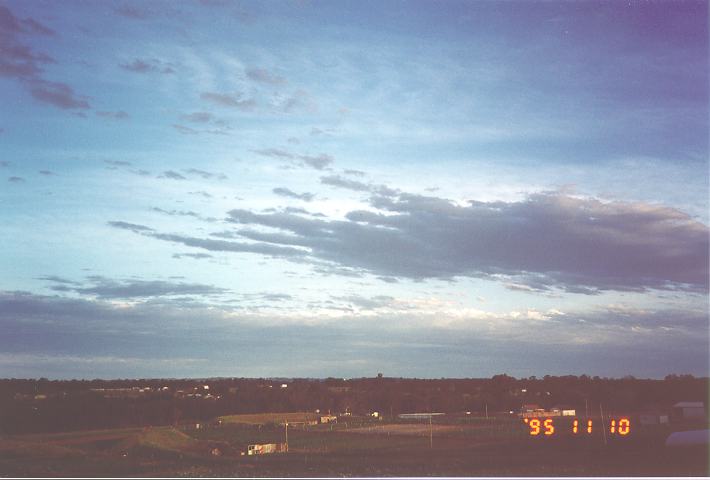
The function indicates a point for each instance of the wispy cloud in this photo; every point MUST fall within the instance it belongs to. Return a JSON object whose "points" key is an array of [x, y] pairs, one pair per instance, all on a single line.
{"points": [[226, 100], [185, 130], [319, 162], [172, 175], [285, 192], [274, 153], [21, 62], [117, 115], [262, 248], [263, 75], [184, 213], [197, 256], [205, 174], [149, 66], [107, 288], [58, 94], [132, 12]]}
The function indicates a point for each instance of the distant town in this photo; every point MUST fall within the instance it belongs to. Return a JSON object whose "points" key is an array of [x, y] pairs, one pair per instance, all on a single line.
{"points": [[41, 405], [376, 426]]}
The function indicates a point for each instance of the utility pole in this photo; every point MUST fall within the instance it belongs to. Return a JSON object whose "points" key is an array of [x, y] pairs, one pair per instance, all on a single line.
{"points": [[431, 433], [601, 412], [486, 411], [287, 435]]}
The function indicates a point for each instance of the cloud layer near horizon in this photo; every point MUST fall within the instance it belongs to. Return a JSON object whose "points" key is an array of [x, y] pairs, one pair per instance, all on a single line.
{"points": [[154, 330]]}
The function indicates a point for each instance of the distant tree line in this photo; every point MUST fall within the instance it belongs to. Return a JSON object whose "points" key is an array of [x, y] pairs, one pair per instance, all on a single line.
{"points": [[41, 405]]}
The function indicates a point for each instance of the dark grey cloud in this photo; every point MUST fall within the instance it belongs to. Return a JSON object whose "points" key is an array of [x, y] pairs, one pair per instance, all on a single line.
{"points": [[349, 184], [302, 211], [263, 75], [369, 303], [225, 246], [117, 115], [152, 65], [58, 94], [555, 240], [198, 117], [548, 241], [197, 256], [46, 173], [107, 288], [338, 181], [211, 244], [355, 173], [57, 279], [275, 153], [130, 11], [610, 342], [21, 62], [185, 130], [388, 279], [319, 162], [4, 164], [15, 179], [226, 100], [275, 297], [201, 193], [118, 163], [299, 101], [205, 174], [285, 192], [184, 213], [33, 26], [9, 24], [173, 175], [130, 226], [221, 127]]}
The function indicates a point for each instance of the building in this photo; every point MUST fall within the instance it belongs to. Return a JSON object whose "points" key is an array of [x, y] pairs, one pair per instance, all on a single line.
{"points": [[564, 410], [266, 448], [328, 419], [653, 418], [535, 411], [693, 411]]}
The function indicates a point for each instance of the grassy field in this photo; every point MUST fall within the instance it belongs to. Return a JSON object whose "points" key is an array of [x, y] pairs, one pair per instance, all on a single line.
{"points": [[361, 447]]}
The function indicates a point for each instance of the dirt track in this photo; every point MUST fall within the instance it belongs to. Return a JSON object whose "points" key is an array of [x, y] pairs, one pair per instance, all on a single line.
{"points": [[407, 429]]}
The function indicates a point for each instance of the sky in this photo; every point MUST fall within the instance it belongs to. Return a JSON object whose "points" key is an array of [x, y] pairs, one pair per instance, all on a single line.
{"points": [[346, 188]]}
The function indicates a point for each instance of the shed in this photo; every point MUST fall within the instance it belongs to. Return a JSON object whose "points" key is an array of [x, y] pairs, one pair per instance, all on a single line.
{"points": [[689, 411], [653, 418]]}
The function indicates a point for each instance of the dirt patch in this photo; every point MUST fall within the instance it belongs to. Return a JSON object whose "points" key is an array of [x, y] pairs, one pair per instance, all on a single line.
{"points": [[408, 429]]}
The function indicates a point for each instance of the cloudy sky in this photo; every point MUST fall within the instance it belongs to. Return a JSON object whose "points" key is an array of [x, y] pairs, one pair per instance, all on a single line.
{"points": [[312, 189]]}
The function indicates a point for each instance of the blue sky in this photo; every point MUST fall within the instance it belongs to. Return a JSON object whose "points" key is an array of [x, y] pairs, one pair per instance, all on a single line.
{"points": [[459, 189]]}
